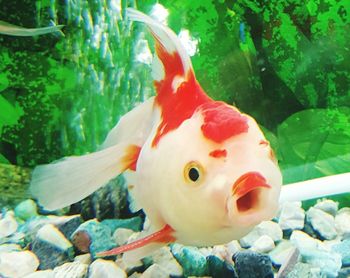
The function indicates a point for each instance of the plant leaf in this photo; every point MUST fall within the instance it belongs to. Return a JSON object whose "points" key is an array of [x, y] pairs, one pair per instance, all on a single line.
{"points": [[315, 143]]}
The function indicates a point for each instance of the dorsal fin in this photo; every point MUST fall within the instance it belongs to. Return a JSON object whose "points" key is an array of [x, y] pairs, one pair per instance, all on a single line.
{"points": [[172, 61]]}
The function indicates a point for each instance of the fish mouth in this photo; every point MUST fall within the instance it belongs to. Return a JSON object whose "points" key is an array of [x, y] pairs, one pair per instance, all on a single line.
{"points": [[247, 190]]}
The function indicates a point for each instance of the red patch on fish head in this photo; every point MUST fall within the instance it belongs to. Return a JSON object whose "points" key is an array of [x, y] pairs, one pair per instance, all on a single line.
{"points": [[222, 122]]}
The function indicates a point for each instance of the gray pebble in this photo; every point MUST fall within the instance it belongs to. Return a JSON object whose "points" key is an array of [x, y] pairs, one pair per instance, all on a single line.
{"points": [[251, 265]]}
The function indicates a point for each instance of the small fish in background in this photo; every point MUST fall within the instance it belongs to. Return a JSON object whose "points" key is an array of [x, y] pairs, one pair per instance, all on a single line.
{"points": [[18, 31], [201, 170]]}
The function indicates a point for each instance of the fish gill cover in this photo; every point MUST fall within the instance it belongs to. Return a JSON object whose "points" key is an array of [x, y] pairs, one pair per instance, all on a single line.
{"points": [[284, 62]]}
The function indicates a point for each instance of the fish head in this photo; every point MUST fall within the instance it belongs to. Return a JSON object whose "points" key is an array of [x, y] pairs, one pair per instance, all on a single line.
{"points": [[209, 192]]}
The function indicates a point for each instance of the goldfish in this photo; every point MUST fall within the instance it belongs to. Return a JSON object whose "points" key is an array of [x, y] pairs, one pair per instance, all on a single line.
{"points": [[201, 170], [14, 30]]}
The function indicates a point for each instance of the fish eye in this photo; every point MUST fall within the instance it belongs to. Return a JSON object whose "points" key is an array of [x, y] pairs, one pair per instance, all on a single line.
{"points": [[193, 172]]}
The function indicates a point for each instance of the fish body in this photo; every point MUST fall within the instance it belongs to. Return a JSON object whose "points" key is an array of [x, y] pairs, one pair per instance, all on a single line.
{"points": [[201, 170]]}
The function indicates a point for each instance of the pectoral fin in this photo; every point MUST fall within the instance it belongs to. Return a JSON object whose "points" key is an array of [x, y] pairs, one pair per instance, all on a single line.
{"points": [[13, 30], [68, 181]]}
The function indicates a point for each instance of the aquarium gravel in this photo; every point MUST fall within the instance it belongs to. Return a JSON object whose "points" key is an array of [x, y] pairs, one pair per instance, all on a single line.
{"points": [[34, 245]]}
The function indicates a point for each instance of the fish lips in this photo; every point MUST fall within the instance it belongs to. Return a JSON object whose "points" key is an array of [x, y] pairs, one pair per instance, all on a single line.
{"points": [[246, 190]]}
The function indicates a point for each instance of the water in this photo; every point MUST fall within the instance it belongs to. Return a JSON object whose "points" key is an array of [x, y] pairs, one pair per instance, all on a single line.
{"points": [[286, 63]]}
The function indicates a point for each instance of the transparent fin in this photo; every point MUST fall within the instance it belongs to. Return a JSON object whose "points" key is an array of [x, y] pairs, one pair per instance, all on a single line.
{"points": [[69, 180], [13, 30], [316, 188], [134, 127], [166, 39]]}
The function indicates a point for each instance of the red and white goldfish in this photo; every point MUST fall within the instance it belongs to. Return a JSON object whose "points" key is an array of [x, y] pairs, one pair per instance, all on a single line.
{"points": [[202, 171]]}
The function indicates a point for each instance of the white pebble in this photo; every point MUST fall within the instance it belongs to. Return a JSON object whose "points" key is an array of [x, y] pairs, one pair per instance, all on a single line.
{"points": [[122, 235], [10, 247], [106, 269], [71, 270], [18, 264], [164, 258], [268, 228], [291, 216], [263, 244], [155, 271], [50, 233], [8, 224], [322, 222], [84, 259], [303, 241], [41, 274], [342, 222], [328, 206]]}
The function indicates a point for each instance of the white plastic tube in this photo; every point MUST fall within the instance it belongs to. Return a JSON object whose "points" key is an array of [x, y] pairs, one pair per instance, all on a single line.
{"points": [[316, 188]]}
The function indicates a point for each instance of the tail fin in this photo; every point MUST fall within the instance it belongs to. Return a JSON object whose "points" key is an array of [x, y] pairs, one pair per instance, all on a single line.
{"points": [[13, 30], [174, 59], [69, 180]]}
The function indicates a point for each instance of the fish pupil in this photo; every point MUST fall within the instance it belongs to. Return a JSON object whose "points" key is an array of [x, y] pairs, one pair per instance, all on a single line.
{"points": [[193, 174]]}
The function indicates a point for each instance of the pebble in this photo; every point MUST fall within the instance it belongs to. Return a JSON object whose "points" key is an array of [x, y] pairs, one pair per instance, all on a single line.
{"points": [[69, 225], [328, 206], [250, 264], [323, 223], [268, 228], [121, 236], [344, 273], [18, 264], [329, 262], [303, 270], [303, 241], [219, 268], [291, 216], [192, 261], [71, 270], [51, 247], [9, 247], [41, 274], [106, 269], [134, 223], [93, 237], [280, 254], [342, 222], [164, 258], [343, 248], [8, 224], [26, 210], [155, 271], [84, 259], [263, 244], [314, 252]]}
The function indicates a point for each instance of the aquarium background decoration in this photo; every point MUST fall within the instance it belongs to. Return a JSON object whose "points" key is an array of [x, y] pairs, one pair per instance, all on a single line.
{"points": [[286, 63]]}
